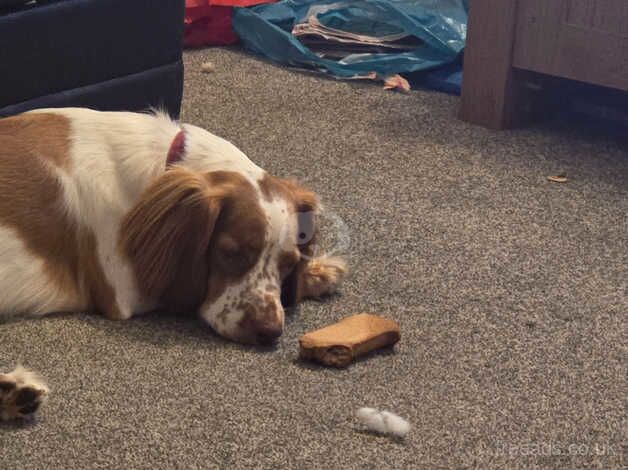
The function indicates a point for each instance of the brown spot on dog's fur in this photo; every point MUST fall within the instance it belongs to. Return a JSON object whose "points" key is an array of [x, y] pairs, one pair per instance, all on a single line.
{"points": [[31, 203], [222, 316]]}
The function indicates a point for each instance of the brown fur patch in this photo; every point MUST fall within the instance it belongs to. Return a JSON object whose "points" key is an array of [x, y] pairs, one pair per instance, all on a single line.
{"points": [[303, 200], [43, 135], [239, 236], [165, 237], [191, 235], [31, 203]]}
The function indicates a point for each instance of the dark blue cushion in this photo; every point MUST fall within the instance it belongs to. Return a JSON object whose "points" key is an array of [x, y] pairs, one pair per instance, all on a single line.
{"points": [[157, 88], [75, 49]]}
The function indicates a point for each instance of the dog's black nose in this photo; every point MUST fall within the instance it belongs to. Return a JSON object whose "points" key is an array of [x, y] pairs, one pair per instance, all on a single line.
{"points": [[268, 334]]}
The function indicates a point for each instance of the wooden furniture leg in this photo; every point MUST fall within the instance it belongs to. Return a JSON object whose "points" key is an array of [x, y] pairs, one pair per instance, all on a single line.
{"points": [[491, 92]]}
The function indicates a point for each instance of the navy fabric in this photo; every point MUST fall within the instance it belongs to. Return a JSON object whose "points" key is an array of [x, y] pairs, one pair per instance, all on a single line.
{"points": [[159, 88], [6, 4], [81, 48]]}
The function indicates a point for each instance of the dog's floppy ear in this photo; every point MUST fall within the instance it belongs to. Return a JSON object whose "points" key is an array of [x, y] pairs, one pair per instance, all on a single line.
{"points": [[166, 237]]}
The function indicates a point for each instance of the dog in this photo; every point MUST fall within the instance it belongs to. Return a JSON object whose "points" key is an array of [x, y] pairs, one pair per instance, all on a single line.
{"points": [[125, 213]]}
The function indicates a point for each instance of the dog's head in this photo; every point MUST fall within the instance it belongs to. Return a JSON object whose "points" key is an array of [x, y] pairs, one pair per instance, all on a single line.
{"points": [[222, 244]]}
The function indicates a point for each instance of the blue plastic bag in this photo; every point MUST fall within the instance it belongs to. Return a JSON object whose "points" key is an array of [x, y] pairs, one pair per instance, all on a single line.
{"points": [[439, 25]]}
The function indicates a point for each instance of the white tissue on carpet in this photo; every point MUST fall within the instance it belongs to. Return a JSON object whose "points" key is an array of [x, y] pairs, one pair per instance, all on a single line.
{"points": [[383, 422]]}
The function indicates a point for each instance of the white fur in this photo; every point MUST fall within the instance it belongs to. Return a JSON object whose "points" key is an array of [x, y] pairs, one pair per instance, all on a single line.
{"points": [[207, 152], [383, 422]]}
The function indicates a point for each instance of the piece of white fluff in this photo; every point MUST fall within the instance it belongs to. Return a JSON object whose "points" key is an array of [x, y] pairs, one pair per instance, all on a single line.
{"points": [[383, 422]]}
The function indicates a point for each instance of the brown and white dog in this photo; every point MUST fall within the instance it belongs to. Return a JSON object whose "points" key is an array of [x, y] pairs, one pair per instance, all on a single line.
{"points": [[125, 213]]}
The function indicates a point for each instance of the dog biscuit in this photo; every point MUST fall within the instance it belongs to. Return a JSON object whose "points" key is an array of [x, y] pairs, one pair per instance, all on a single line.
{"points": [[339, 344]]}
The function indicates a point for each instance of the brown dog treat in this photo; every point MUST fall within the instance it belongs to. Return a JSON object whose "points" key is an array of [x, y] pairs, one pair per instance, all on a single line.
{"points": [[339, 344]]}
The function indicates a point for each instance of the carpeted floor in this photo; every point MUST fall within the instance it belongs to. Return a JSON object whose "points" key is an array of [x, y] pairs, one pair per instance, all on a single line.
{"points": [[511, 292]]}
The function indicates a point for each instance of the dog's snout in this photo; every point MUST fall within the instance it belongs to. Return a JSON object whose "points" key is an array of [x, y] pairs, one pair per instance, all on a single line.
{"points": [[263, 319], [268, 333]]}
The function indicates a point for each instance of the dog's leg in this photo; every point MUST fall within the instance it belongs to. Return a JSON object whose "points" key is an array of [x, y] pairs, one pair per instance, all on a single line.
{"points": [[21, 393], [322, 276]]}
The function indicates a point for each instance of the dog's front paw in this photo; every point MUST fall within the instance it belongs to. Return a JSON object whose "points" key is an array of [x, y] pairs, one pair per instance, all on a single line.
{"points": [[322, 276], [21, 394]]}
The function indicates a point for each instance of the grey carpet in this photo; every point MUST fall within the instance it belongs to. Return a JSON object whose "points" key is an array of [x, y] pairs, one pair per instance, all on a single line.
{"points": [[511, 292]]}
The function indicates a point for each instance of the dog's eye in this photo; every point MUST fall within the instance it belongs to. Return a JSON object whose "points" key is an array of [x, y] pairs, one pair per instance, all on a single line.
{"points": [[235, 257], [230, 254], [228, 247]]}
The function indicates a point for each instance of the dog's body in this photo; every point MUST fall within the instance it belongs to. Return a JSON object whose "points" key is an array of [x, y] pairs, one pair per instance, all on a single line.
{"points": [[123, 213]]}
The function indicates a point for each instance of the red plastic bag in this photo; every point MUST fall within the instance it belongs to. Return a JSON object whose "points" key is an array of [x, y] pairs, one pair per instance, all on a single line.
{"points": [[208, 22]]}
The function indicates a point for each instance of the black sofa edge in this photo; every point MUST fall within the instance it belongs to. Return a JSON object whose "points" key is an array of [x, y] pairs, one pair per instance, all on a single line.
{"points": [[159, 87]]}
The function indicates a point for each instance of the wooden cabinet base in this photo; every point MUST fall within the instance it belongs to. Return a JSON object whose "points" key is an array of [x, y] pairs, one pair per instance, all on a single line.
{"points": [[508, 39]]}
